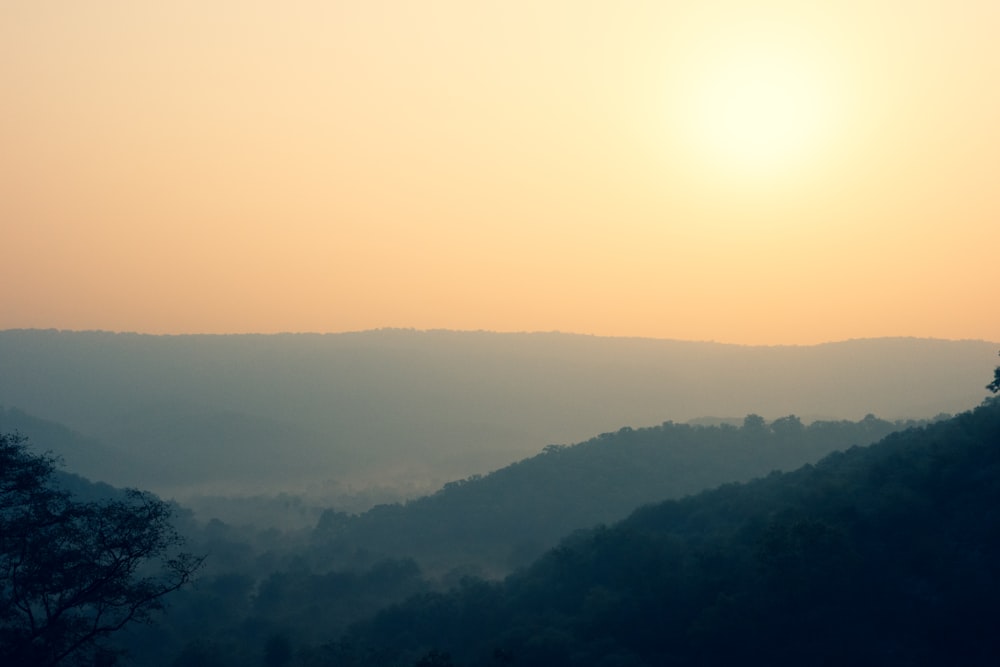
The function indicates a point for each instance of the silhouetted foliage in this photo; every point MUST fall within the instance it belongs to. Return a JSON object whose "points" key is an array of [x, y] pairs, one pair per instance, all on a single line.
{"points": [[884, 555], [310, 586], [995, 385], [439, 405], [72, 572], [509, 517]]}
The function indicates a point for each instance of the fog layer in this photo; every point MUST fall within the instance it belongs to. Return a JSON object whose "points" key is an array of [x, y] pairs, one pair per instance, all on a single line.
{"points": [[409, 410]]}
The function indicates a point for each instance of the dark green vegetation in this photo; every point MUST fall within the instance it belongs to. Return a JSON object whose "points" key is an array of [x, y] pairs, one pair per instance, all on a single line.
{"points": [[510, 517], [410, 410], [876, 555], [74, 572], [994, 386], [886, 555], [307, 587]]}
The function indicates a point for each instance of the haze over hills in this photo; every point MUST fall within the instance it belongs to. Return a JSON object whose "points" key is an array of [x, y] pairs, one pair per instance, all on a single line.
{"points": [[500, 521], [881, 555], [886, 551], [251, 413]]}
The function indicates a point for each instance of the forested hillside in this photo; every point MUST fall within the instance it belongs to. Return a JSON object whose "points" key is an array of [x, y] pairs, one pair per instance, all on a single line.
{"points": [[886, 551], [506, 518], [84, 456], [304, 587], [800, 567], [406, 411], [885, 555]]}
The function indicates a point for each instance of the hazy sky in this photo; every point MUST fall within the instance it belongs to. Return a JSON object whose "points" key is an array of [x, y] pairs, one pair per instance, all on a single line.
{"points": [[755, 172]]}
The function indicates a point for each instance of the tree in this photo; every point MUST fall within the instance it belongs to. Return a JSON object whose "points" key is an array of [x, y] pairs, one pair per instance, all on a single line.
{"points": [[754, 422], [995, 385], [72, 573], [788, 427]]}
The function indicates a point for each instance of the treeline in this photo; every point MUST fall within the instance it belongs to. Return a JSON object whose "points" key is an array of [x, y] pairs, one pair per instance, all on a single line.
{"points": [[264, 589], [672, 583], [190, 415], [508, 518], [885, 555]]}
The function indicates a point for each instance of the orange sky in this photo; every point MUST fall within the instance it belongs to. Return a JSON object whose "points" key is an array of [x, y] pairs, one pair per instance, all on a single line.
{"points": [[754, 172]]}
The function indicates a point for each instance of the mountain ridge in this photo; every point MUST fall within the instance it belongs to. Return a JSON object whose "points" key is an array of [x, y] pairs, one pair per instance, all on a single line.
{"points": [[884, 555], [416, 409]]}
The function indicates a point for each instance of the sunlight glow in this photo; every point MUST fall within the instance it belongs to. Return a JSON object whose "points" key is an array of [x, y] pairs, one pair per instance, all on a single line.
{"points": [[759, 105], [753, 172], [760, 113]]}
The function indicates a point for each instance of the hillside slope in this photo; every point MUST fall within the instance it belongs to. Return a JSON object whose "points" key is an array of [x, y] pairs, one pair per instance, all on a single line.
{"points": [[504, 519], [414, 409], [885, 555]]}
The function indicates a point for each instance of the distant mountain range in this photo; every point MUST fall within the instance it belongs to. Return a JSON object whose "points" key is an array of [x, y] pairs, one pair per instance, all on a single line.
{"points": [[410, 409]]}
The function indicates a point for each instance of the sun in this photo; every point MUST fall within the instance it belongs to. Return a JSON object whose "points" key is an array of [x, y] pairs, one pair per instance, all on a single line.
{"points": [[758, 112]]}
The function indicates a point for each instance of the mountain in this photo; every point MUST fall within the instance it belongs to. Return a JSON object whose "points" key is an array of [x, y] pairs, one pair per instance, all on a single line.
{"points": [[504, 519], [83, 455], [886, 555], [412, 409]]}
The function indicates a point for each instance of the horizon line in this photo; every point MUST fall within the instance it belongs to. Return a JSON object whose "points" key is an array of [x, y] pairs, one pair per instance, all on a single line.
{"points": [[536, 332]]}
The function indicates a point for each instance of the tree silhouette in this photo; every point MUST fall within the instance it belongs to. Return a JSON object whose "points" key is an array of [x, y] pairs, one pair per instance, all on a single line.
{"points": [[72, 573], [995, 385]]}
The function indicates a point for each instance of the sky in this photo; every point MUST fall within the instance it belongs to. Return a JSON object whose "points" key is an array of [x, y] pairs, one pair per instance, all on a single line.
{"points": [[771, 172]]}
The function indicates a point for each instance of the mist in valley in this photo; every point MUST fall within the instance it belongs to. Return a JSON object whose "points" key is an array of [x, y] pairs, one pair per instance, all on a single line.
{"points": [[332, 487], [499, 334], [394, 413]]}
